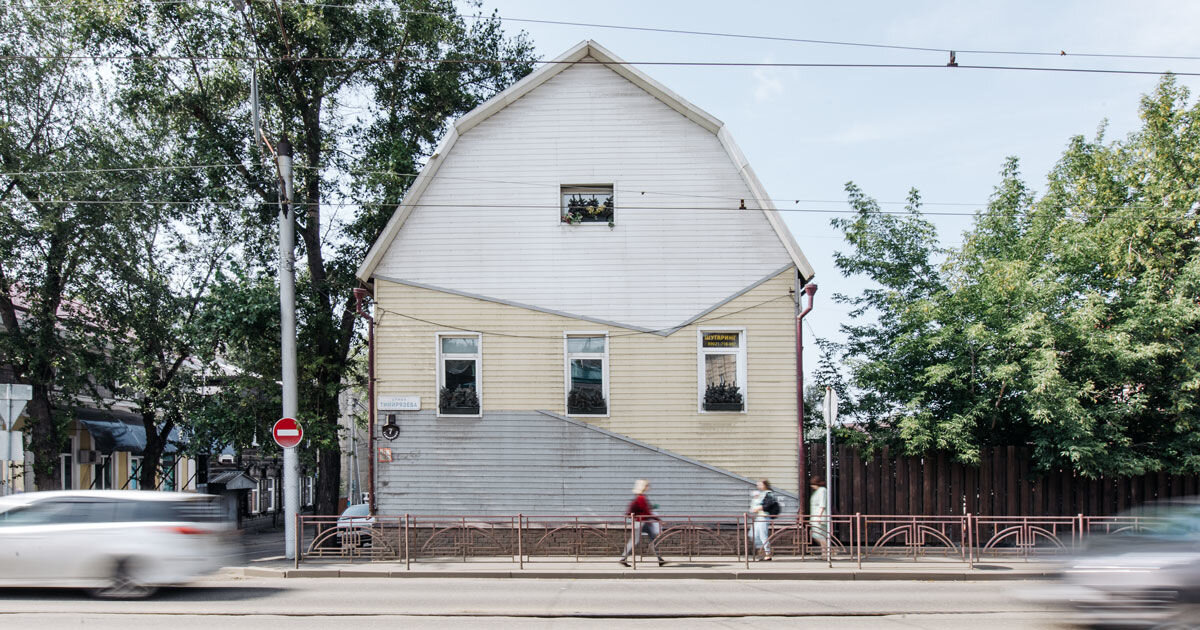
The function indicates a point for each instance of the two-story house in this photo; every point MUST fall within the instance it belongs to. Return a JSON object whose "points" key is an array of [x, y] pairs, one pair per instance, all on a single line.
{"points": [[586, 285]]}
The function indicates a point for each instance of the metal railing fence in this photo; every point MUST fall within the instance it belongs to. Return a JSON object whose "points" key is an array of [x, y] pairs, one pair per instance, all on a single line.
{"points": [[850, 538]]}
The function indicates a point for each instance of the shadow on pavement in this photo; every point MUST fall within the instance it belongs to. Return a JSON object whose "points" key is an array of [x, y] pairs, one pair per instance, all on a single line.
{"points": [[168, 594]]}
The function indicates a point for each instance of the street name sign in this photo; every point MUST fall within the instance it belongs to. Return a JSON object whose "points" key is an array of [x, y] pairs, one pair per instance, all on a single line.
{"points": [[399, 403], [287, 432]]}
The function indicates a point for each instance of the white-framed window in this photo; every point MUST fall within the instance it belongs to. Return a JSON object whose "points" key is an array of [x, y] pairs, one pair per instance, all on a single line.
{"points": [[309, 490], [586, 373], [587, 204], [721, 369], [169, 471], [458, 374], [254, 499], [270, 494], [103, 476], [67, 477], [135, 472]]}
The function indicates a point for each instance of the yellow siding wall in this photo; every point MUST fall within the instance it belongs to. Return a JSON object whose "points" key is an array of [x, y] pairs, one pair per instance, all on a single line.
{"points": [[653, 379]]}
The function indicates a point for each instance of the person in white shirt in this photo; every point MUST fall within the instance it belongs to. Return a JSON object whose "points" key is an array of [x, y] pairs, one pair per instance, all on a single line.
{"points": [[818, 511]]}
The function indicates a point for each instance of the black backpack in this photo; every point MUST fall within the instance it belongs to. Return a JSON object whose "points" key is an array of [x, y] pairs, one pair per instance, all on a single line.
{"points": [[770, 504]]}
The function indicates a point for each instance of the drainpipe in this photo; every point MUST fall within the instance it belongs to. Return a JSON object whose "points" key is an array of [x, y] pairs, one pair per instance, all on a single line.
{"points": [[359, 295], [801, 455]]}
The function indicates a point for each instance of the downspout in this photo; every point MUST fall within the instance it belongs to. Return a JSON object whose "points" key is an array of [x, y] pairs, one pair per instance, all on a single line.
{"points": [[359, 295], [801, 455]]}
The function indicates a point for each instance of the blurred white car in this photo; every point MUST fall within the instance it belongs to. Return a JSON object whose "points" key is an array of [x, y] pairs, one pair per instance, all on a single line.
{"points": [[118, 543]]}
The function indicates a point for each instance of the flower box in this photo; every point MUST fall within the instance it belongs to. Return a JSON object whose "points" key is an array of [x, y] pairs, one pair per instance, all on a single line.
{"points": [[459, 411], [723, 406]]}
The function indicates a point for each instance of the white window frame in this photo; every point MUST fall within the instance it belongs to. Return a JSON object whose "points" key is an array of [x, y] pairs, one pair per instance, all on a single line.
{"points": [[271, 483], [574, 184], [112, 472], [438, 368], [568, 355], [740, 351], [72, 454], [174, 472], [134, 465], [255, 496]]}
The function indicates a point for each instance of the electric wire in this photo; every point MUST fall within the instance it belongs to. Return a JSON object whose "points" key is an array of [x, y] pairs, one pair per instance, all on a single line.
{"points": [[619, 208], [631, 333], [503, 61], [679, 31]]}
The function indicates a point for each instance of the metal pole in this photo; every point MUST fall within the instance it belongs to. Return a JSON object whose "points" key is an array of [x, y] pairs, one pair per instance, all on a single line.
{"points": [[287, 322], [829, 453], [360, 294], [801, 455]]}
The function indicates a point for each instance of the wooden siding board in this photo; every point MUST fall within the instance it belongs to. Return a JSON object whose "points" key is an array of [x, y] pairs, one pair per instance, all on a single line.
{"points": [[653, 379], [549, 467], [641, 272]]}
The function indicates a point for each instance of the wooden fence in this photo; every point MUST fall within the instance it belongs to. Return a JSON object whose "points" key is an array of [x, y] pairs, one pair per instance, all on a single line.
{"points": [[1003, 484]]}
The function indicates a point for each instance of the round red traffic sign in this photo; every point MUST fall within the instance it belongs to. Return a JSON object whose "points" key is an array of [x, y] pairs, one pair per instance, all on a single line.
{"points": [[287, 432]]}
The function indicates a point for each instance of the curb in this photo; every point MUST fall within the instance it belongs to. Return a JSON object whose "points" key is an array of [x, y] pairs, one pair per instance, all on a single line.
{"points": [[853, 575]]}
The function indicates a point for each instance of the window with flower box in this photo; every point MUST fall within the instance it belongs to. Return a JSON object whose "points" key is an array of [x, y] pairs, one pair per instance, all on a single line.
{"points": [[587, 204], [458, 374], [722, 370]]}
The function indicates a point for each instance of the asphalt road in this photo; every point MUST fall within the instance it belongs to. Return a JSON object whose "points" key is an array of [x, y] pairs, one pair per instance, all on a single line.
{"points": [[513, 603]]}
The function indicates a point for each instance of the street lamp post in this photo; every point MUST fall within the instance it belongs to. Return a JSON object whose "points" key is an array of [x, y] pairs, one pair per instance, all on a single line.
{"points": [[287, 324]]}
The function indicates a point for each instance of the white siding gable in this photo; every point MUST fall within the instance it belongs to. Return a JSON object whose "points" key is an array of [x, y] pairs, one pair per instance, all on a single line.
{"points": [[488, 222]]}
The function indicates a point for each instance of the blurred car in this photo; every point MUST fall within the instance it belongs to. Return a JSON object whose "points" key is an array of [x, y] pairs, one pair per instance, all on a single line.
{"points": [[117, 543], [1146, 576], [355, 525]]}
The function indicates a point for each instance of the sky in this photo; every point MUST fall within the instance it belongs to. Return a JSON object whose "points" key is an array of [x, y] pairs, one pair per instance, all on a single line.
{"points": [[944, 131]]}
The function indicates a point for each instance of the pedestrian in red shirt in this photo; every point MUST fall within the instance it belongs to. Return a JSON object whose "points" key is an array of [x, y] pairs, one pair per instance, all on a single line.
{"points": [[644, 522]]}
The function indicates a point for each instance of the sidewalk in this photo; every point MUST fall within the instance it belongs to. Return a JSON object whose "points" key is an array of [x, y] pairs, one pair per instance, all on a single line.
{"points": [[696, 568]]}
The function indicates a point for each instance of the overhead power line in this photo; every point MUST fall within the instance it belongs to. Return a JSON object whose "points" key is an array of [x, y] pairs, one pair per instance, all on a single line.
{"points": [[559, 337], [1060, 52], [502, 61], [619, 208]]}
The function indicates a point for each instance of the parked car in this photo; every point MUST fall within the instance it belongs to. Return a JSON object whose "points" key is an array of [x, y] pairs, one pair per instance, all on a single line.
{"points": [[117, 543], [355, 525], [1147, 575]]}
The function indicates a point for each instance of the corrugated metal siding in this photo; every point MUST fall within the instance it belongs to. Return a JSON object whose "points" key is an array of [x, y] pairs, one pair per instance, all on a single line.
{"points": [[653, 379], [540, 464], [488, 222]]}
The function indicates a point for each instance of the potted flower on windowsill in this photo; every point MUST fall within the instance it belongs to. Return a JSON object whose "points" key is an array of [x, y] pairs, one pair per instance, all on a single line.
{"points": [[461, 401], [723, 397], [588, 210], [586, 402]]}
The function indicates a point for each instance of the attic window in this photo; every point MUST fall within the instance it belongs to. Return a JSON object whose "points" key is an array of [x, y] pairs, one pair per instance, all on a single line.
{"points": [[587, 204]]}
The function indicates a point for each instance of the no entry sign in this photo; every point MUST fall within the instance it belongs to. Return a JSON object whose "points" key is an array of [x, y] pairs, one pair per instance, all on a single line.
{"points": [[287, 432]]}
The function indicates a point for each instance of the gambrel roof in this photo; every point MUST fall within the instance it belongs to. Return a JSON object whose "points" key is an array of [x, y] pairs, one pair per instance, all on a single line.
{"points": [[583, 50]]}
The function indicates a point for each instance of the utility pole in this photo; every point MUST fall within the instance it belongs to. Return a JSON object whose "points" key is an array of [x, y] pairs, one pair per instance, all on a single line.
{"points": [[287, 324]]}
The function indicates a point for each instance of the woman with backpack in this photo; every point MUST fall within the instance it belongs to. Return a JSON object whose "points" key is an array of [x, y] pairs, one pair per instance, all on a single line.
{"points": [[764, 505]]}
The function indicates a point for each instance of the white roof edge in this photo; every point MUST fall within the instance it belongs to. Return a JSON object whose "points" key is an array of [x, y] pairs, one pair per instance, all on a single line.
{"points": [[764, 202], [379, 247], [541, 75]]}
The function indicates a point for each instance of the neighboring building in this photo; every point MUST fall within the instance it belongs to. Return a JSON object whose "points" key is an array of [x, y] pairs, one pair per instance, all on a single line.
{"points": [[581, 285]]}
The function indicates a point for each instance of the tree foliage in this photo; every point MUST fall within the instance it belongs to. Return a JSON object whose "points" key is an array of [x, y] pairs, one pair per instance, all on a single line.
{"points": [[363, 91], [1067, 321]]}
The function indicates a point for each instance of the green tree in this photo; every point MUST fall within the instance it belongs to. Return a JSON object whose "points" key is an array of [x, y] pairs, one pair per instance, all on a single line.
{"points": [[61, 230], [1068, 322], [363, 90]]}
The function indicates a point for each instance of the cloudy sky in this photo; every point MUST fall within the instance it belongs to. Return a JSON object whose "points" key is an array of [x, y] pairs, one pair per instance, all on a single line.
{"points": [[944, 131]]}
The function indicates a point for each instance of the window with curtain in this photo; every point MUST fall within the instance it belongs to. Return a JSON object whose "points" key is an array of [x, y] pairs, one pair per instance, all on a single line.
{"points": [[458, 374]]}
